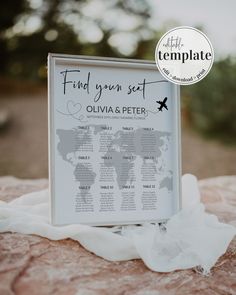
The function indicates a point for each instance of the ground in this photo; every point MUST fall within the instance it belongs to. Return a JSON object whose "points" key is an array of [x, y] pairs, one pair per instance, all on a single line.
{"points": [[23, 143]]}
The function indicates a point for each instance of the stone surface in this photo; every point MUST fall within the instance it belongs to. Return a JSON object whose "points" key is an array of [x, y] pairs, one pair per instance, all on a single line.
{"points": [[34, 265]]}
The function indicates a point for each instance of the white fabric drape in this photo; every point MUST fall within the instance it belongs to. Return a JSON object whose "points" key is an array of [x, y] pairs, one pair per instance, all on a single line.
{"points": [[190, 238]]}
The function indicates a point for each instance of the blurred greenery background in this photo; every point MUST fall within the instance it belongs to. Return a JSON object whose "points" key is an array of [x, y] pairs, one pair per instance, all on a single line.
{"points": [[29, 29]]}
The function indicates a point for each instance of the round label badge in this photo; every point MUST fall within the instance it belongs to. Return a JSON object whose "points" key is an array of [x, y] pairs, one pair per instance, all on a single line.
{"points": [[184, 55]]}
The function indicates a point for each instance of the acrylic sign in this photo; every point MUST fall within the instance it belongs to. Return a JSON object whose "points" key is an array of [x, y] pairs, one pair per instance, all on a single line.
{"points": [[114, 141]]}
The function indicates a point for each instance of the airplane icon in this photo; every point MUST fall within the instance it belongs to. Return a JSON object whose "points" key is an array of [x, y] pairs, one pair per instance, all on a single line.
{"points": [[162, 104]]}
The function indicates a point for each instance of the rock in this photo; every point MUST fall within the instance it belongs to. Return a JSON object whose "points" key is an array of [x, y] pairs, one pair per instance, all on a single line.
{"points": [[34, 265], [11, 187]]}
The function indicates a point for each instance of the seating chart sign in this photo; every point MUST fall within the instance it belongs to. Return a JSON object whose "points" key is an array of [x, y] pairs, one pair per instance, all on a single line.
{"points": [[114, 141]]}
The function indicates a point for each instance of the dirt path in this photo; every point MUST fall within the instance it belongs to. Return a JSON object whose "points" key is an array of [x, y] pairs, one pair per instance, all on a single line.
{"points": [[23, 145]]}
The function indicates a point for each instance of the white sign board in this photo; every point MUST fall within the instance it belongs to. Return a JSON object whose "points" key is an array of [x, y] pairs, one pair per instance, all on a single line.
{"points": [[114, 140]]}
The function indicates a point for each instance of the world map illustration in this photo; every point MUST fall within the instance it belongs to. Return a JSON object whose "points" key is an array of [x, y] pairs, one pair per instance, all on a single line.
{"points": [[120, 151]]}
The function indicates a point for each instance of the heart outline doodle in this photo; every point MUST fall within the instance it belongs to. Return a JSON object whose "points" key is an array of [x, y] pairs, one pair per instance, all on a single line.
{"points": [[73, 111]]}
